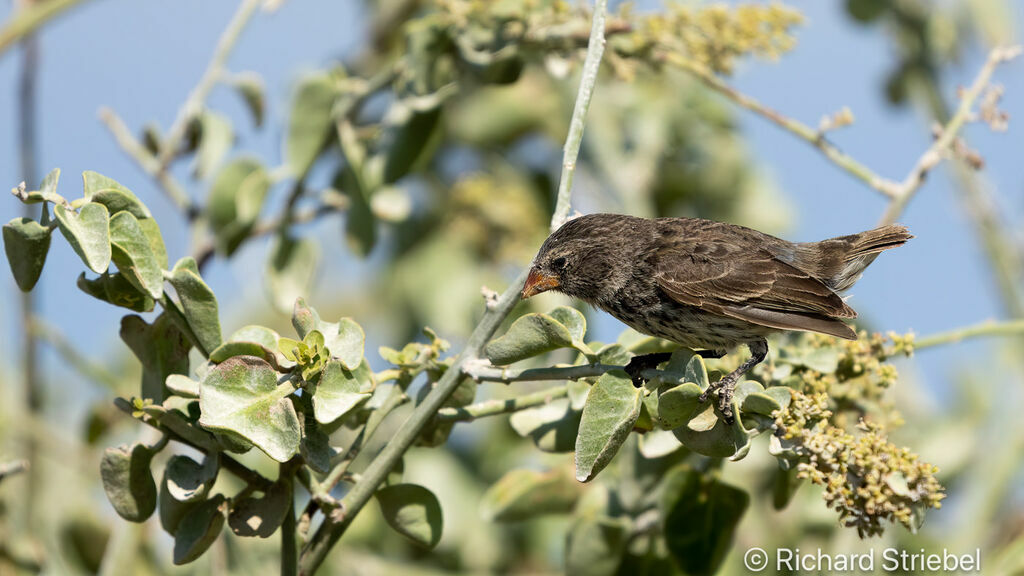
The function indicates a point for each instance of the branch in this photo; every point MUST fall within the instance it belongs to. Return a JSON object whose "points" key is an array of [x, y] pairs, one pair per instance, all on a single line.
{"points": [[498, 407], [146, 160], [989, 328], [28, 19], [482, 371], [214, 72], [933, 156], [591, 66], [334, 526]]}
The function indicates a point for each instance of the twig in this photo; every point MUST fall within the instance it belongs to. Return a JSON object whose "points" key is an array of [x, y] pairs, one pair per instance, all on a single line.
{"points": [[933, 156], [989, 328], [588, 78], [498, 407], [482, 371], [334, 526], [214, 72], [28, 19], [289, 542], [11, 468], [147, 161]]}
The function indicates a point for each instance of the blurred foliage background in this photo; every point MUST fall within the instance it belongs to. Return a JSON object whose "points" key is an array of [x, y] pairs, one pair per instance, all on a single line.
{"points": [[445, 183]]}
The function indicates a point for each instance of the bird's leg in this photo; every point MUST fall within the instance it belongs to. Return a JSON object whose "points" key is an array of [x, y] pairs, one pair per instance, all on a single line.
{"points": [[726, 386], [638, 364]]}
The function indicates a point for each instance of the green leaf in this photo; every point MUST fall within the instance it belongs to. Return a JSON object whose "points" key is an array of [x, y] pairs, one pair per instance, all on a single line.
{"points": [[183, 386], [530, 335], [117, 290], [188, 480], [413, 511], [156, 240], [676, 406], [340, 390], [250, 87], [304, 317], [232, 349], [128, 482], [345, 340], [311, 122], [360, 221], [784, 486], [235, 201], [133, 254], [216, 137], [264, 337], [410, 141], [110, 193], [26, 243], [291, 269], [573, 320], [160, 347], [315, 448], [88, 232], [700, 518], [658, 443], [553, 427], [525, 494], [595, 546], [199, 529], [242, 396], [198, 304], [252, 516], [612, 407], [171, 510]]}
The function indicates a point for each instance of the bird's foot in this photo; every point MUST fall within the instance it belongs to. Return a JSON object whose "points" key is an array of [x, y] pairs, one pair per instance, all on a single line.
{"points": [[725, 389], [637, 364], [711, 354]]}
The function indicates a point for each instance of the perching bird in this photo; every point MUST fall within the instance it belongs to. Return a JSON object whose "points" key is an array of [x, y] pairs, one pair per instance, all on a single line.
{"points": [[706, 285]]}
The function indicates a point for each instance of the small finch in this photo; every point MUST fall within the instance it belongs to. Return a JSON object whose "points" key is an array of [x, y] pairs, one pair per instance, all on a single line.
{"points": [[706, 285]]}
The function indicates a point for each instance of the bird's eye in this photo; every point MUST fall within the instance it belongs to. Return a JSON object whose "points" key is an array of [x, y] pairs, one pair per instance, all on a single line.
{"points": [[558, 263]]}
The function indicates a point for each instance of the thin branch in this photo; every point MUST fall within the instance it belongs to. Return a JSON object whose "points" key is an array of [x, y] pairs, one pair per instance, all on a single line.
{"points": [[215, 71], [990, 328], [482, 371], [334, 526], [498, 407], [147, 161], [27, 20], [934, 155], [591, 66]]}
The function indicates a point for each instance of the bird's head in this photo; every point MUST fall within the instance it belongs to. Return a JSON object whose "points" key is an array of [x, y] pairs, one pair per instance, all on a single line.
{"points": [[587, 258]]}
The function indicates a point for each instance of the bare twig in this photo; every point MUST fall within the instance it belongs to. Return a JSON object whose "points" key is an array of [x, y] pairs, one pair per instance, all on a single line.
{"points": [[28, 19], [990, 328], [505, 406]]}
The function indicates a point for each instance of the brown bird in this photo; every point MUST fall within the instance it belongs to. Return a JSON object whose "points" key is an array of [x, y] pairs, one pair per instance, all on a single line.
{"points": [[706, 285]]}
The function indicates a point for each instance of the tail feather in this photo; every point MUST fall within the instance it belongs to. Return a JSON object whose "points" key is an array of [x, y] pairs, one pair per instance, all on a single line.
{"points": [[839, 262], [877, 240]]}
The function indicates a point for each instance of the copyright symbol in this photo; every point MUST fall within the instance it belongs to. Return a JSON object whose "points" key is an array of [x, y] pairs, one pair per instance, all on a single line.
{"points": [[756, 559]]}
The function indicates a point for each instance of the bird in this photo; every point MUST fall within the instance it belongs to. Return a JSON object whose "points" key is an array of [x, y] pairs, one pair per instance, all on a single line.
{"points": [[706, 285]]}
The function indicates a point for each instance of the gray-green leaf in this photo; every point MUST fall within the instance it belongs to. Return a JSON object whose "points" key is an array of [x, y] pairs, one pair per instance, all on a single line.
{"points": [[311, 122], [235, 200], [524, 494], [413, 511], [242, 396], [216, 137], [133, 254], [88, 232], [199, 529], [26, 243], [110, 193], [188, 480], [198, 304], [261, 516], [161, 349], [612, 407], [529, 335], [340, 390], [128, 481]]}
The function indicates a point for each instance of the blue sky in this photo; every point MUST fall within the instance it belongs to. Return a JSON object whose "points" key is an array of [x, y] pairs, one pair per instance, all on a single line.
{"points": [[142, 58]]}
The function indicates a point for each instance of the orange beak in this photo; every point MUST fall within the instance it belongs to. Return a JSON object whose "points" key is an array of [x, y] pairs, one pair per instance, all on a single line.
{"points": [[537, 282]]}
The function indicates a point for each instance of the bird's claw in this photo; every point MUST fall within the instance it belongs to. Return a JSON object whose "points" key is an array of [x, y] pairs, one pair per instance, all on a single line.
{"points": [[725, 388], [637, 364]]}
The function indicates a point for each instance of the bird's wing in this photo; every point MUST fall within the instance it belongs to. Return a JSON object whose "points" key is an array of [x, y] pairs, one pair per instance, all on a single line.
{"points": [[743, 280]]}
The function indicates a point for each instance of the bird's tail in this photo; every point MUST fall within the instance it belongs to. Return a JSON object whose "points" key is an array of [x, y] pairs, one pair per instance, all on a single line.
{"points": [[848, 256]]}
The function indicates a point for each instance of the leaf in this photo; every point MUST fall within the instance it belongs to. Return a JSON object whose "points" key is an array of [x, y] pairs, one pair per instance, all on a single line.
{"points": [[128, 481], [235, 201], [304, 317], [156, 241], [199, 529], [612, 407], [110, 193], [700, 519], [525, 494], [553, 427], [198, 304], [26, 243], [232, 349], [88, 232], [658, 443], [411, 142], [413, 511], [360, 221], [117, 290], [311, 122], [188, 480], [161, 349], [530, 335], [345, 340], [216, 137], [250, 87], [171, 510], [315, 448], [133, 254], [572, 319], [340, 390], [676, 406], [183, 386], [291, 269], [242, 396], [595, 546], [261, 516]]}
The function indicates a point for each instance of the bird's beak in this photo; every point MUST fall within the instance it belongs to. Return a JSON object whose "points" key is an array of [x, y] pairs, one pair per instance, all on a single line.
{"points": [[537, 282]]}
